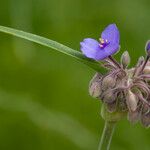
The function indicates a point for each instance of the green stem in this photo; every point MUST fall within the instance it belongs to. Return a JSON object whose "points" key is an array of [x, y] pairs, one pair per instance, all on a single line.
{"points": [[107, 135]]}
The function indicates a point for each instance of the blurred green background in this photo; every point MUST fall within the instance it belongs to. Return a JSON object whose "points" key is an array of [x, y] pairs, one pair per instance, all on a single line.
{"points": [[44, 101]]}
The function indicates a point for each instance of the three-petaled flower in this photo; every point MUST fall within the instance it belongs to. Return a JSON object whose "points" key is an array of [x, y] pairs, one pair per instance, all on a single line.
{"points": [[107, 46]]}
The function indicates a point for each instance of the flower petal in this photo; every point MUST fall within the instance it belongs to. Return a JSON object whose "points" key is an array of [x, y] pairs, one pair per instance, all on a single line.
{"points": [[111, 33], [107, 51], [90, 47], [111, 49], [101, 54]]}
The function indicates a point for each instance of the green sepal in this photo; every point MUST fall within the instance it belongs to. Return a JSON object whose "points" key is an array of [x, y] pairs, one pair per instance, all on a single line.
{"points": [[111, 117]]}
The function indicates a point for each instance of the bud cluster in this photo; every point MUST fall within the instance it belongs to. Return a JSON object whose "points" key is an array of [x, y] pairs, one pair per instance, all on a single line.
{"points": [[123, 89]]}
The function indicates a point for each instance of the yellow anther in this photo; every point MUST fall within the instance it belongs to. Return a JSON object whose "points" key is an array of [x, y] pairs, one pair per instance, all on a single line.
{"points": [[102, 41]]}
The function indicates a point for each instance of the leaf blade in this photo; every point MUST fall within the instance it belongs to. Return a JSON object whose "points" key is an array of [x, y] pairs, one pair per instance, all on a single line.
{"points": [[52, 44]]}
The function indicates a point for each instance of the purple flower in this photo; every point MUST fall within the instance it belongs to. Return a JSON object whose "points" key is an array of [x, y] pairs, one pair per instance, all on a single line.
{"points": [[147, 48], [108, 44]]}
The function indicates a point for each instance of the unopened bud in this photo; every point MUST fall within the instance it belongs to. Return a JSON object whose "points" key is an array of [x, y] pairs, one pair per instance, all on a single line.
{"points": [[145, 120], [95, 89], [95, 86], [134, 117], [147, 47], [125, 59], [108, 82], [146, 70], [131, 101], [137, 69], [112, 107], [122, 104], [140, 60], [108, 96], [145, 109]]}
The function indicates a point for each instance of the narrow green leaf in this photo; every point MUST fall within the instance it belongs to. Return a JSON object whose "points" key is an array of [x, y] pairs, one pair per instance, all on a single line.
{"points": [[52, 44]]}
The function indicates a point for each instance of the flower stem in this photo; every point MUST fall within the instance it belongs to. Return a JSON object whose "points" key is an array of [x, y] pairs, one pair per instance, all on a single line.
{"points": [[107, 135], [114, 61]]}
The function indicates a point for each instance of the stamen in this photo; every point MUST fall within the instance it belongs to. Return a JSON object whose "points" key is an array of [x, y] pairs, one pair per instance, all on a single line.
{"points": [[101, 45], [103, 42], [100, 39]]}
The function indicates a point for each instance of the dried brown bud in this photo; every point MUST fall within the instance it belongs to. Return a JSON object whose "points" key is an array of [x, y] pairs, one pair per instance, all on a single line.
{"points": [[125, 59], [95, 86], [131, 101]]}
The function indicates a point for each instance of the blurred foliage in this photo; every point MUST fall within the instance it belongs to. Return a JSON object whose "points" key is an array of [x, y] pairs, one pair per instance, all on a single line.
{"points": [[57, 83]]}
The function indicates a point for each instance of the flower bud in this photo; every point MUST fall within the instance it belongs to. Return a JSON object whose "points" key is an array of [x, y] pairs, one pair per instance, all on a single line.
{"points": [[125, 59], [146, 70], [137, 69], [108, 82], [95, 89], [147, 47], [145, 109], [131, 101], [108, 96], [134, 117], [95, 86], [111, 107], [122, 104], [145, 120], [140, 60]]}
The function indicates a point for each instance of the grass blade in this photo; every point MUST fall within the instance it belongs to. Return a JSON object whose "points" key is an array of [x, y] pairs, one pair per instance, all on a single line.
{"points": [[52, 44]]}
